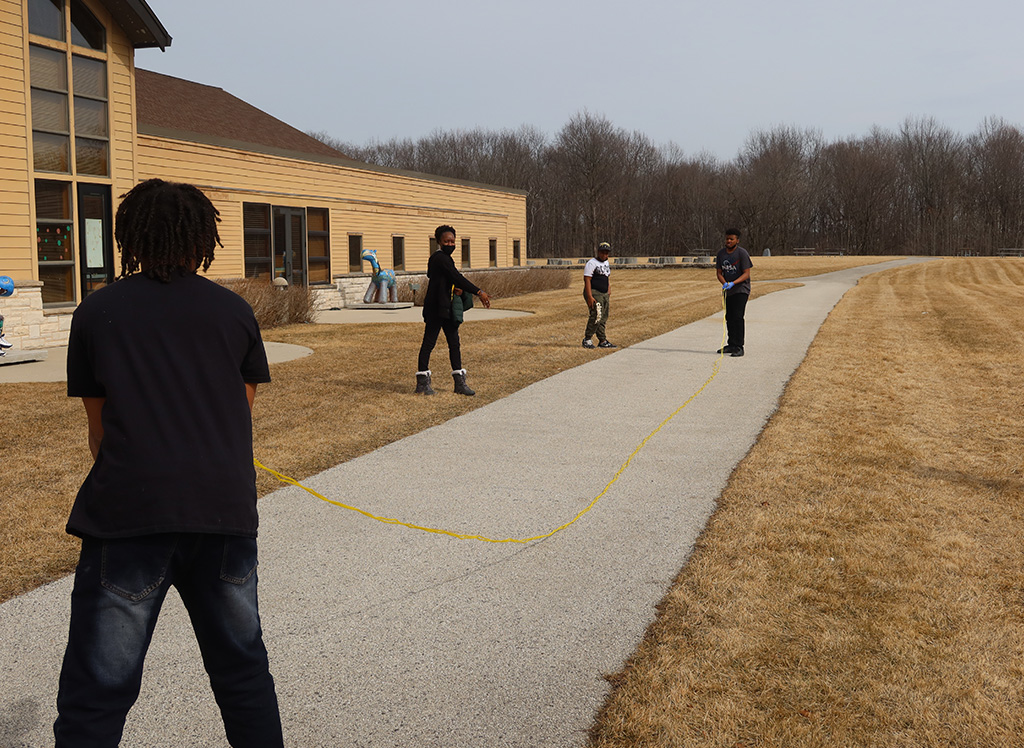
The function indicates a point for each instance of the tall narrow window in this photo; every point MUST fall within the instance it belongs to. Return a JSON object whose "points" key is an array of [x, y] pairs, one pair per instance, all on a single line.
{"points": [[51, 124], [55, 251], [465, 253], [91, 134], [516, 259], [433, 248], [355, 251], [257, 240], [398, 252], [67, 79], [318, 245], [492, 253]]}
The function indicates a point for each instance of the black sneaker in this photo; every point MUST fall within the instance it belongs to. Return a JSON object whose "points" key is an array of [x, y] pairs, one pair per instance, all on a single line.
{"points": [[736, 352], [725, 349], [588, 343], [606, 344]]}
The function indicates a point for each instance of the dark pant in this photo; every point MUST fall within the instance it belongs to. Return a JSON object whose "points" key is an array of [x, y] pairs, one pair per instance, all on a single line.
{"points": [[735, 306], [433, 326], [598, 317], [120, 586]]}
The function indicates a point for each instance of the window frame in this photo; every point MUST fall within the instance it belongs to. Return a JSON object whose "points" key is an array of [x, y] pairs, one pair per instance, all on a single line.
{"points": [[319, 260], [398, 252], [250, 231], [105, 101], [68, 224], [355, 239], [64, 49]]}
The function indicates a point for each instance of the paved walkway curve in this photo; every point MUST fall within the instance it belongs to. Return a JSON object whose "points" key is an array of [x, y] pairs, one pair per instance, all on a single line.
{"points": [[382, 636]]}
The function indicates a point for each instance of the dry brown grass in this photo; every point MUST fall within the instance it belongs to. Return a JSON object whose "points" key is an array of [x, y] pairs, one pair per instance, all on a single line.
{"points": [[861, 583], [501, 284]]}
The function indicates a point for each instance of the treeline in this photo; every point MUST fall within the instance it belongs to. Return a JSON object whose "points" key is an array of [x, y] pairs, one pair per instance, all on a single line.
{"points": [[922, 189]]}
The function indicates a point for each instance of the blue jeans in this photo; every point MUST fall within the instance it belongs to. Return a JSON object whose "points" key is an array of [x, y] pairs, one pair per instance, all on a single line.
{"points": [[120, 585]]}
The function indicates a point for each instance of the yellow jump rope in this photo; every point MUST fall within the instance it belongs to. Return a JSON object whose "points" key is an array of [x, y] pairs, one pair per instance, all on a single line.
{"points": [[392, 521]]}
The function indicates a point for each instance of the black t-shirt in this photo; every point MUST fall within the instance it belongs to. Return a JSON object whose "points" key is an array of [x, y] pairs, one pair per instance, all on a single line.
{"points": [[172, 360], [733, 265]]}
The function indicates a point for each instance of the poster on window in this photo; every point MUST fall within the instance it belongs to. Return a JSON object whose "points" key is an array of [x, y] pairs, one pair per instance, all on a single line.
{"points": [[94, 242]]}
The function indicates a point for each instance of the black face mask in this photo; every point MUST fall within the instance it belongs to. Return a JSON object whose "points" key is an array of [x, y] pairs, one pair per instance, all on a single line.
{"points": [[448, 248]]}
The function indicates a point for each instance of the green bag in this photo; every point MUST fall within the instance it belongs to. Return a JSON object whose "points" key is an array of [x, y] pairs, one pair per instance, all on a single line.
{"points": [[460, 303]]}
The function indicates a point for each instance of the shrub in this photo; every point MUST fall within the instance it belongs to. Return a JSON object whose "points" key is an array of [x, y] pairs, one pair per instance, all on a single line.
{"points": [[275, 306]]}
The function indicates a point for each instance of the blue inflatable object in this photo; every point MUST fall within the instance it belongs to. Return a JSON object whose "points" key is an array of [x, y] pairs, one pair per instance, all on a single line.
{"points": [[6, 285]]}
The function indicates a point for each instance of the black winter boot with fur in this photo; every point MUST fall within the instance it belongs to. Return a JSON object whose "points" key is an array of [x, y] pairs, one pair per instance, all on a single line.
{"points": [[423, 383], [461, 388]]}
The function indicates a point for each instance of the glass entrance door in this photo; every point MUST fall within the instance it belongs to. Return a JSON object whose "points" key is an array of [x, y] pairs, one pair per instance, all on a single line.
{"points": [[96, 246], [290, 245]]}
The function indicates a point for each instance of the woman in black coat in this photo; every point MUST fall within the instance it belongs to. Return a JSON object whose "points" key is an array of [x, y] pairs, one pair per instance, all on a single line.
{"points": [[442, 278]]}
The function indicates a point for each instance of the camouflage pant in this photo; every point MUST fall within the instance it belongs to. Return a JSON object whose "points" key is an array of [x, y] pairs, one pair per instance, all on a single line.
{"points": [[598, 317]]}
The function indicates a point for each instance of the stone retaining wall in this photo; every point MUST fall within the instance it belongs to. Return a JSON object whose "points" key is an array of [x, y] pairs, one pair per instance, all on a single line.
{"points": [[27, 325]]}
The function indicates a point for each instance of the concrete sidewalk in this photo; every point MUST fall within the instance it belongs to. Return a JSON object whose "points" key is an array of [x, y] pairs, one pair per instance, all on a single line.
{"points": [[384, 636]]}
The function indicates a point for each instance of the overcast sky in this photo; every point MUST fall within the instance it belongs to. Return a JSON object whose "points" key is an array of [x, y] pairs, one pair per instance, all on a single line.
{"points": [[703, 75]]}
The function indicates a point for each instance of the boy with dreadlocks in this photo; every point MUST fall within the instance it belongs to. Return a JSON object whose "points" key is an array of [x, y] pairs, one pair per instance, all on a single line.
{"points": [[166, 363]]}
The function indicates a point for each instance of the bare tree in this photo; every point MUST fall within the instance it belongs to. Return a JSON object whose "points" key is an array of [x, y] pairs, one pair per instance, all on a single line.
{"points": [[773, 189], [921, 189], [996, 185], [933, 170], [588, 157]]}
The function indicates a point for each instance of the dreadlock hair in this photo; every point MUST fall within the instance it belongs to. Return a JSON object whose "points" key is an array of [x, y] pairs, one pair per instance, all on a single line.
{"points": [[165, 228], [441, 231]]}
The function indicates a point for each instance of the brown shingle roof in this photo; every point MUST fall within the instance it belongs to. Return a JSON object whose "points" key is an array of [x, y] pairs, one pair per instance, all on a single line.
{"points": [[171, 106]]}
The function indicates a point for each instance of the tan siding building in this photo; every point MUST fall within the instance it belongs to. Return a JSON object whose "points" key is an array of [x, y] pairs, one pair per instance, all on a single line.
{"points": [[81, 125], [15, 201]]}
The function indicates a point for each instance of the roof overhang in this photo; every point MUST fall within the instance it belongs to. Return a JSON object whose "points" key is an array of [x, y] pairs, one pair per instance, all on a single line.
{"points": [[139, 22]]}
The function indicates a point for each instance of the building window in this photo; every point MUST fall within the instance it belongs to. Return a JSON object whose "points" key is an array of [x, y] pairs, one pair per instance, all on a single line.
{"points": [[286, 242], [58, 102], [257, 241], [86, 30], [92, 138], [465, 253], [51, 125], [355, 253], [516, 260], [318, 245], [492, 253], [55, 250], [67, 72], [398, 252], [46, 18]]}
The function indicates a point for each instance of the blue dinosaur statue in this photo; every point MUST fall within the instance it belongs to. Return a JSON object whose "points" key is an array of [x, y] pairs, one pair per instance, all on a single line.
{"points": [[382, 282]]}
